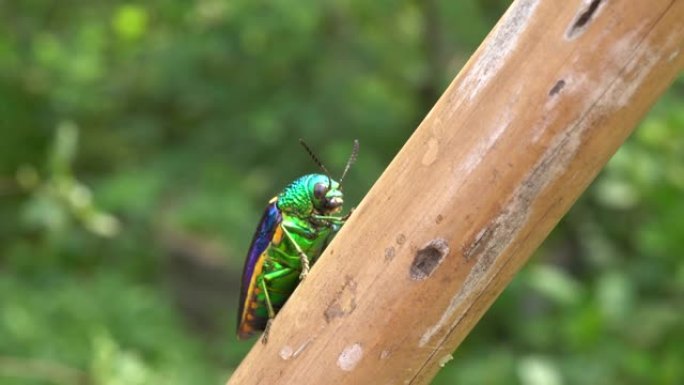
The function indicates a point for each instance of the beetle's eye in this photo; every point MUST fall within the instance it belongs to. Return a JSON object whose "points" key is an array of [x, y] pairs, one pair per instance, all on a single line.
{"points": [[319, 190]]}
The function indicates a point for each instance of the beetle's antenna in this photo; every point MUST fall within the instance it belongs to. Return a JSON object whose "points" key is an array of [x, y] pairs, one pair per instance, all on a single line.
{"points": [[351, 160], [315, 158]]}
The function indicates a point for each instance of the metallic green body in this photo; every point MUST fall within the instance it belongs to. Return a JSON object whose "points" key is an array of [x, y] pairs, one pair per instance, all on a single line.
{"points": [[306, 223]]}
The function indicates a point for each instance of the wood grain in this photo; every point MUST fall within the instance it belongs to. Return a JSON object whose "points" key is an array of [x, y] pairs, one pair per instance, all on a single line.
{"points": [[538, 110]]}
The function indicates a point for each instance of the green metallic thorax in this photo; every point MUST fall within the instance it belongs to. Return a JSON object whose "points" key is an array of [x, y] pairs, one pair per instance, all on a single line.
{"points": [[295, 199]]}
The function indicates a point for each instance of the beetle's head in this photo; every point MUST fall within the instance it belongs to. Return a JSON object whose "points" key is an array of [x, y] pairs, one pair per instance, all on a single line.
{"points": [[325, 193]]}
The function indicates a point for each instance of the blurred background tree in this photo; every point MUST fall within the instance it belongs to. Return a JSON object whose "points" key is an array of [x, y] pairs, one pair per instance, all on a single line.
{"points": [[140, 142]]}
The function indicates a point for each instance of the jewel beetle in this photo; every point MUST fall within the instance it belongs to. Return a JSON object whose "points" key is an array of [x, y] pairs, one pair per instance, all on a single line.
{"points": [[295, 228]]}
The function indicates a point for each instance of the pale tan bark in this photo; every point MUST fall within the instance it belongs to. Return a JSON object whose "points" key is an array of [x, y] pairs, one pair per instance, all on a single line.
{"points": [[538, 110]]}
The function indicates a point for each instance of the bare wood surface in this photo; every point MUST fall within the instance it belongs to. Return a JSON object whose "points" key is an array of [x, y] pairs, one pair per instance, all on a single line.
{"points": [[550, 95]]}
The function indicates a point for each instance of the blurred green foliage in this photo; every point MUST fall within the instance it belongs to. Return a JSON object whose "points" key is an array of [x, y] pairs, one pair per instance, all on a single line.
{"points": [[140, 141]]}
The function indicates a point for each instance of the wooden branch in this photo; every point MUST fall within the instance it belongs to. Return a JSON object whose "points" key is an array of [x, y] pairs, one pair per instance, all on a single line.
{"points": [[538, 110]]}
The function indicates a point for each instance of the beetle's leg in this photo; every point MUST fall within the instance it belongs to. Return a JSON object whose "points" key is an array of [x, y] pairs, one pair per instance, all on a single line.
{"points": [[271, 312], [269, 306], [333, 219], [278, 273], [344, 218], [302, 256], [285, 258], [264, 335]]}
